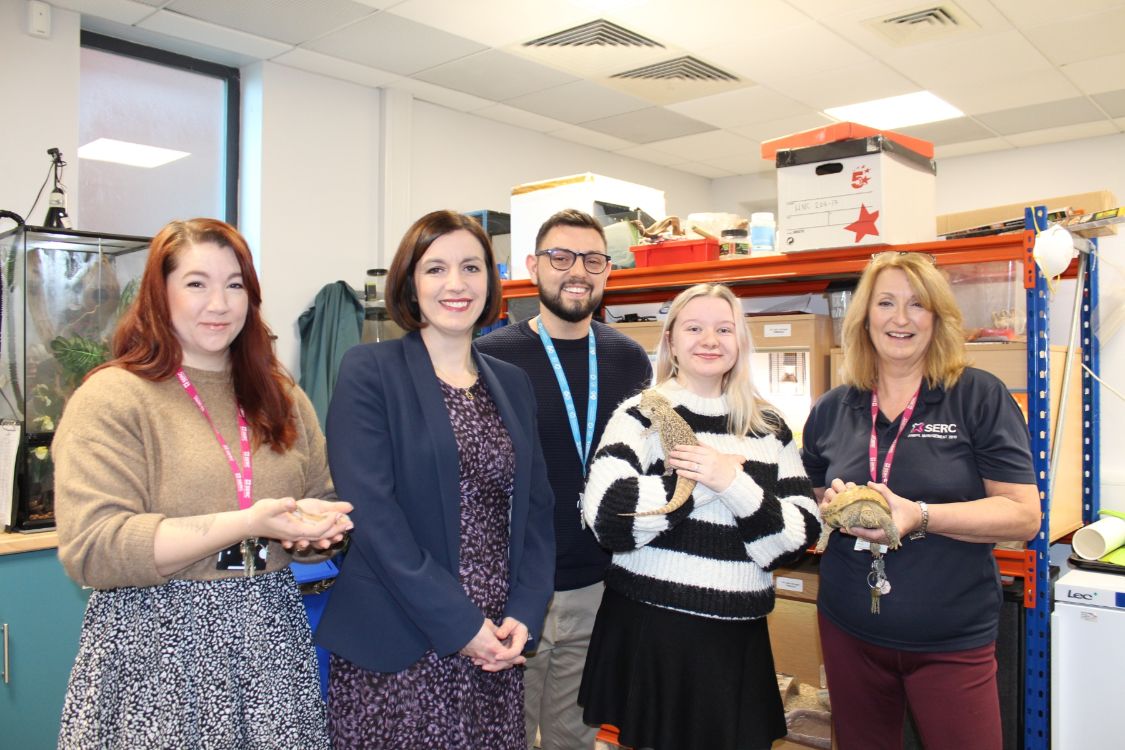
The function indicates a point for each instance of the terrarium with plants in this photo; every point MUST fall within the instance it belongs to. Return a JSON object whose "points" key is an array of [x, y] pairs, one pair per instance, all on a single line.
{"points": [[63, 292]]}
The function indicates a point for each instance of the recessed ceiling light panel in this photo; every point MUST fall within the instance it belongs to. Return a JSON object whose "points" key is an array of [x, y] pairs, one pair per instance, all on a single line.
{"points": [[897, 111], [130, 154]]}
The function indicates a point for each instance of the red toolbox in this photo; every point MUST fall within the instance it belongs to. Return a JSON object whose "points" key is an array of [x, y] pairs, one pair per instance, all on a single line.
{"points": [[671, 252]]}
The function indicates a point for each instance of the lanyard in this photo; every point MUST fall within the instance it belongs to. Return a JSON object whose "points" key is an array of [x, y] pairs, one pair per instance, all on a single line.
{"points": [[242, 478], [873, 446], [568, 400]]}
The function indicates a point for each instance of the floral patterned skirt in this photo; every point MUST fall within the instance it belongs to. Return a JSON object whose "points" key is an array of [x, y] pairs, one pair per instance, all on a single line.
{"points": [[196, 665]]}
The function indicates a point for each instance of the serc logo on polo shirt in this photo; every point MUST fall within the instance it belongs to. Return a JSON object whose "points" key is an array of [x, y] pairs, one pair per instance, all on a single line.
{"points": [[933, 430]]}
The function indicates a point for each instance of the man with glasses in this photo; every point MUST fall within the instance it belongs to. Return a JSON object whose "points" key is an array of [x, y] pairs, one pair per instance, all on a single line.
{"points": [[581, 370]]}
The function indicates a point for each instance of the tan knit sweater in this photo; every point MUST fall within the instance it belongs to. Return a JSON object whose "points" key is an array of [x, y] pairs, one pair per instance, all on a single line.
{"points": [[129, 453]]}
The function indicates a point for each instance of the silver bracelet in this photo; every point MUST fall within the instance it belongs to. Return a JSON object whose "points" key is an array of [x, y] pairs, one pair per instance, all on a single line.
{"points": [[920, 532]]}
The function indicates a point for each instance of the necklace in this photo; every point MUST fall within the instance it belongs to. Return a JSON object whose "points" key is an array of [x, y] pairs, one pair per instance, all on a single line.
{"points": [[452, 382]]}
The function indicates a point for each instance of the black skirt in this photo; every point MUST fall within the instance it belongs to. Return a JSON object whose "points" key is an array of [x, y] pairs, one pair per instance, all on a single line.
{"points": [[674, 681]]}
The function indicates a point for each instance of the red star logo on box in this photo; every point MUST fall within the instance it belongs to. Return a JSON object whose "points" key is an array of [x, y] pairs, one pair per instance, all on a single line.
{"points": [[860, 177], [865, 224]]}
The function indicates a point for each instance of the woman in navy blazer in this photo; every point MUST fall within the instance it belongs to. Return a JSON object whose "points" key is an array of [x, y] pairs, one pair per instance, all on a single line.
{"points": [[451, 563]]}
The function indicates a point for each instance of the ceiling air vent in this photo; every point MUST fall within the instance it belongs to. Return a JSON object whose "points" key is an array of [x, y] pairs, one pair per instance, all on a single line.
{"points": [[596, 33], [683, 68], [923, 24]]}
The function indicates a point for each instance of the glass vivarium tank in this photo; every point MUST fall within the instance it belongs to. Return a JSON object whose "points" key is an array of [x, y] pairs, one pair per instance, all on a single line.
{"points": [[62, 293]]}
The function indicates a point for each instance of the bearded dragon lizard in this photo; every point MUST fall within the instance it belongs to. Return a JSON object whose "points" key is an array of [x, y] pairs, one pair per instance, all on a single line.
{"points": [[673, 431]]}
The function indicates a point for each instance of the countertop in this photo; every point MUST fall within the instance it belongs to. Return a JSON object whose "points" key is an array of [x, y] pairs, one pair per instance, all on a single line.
{"points": [[11, 544]]}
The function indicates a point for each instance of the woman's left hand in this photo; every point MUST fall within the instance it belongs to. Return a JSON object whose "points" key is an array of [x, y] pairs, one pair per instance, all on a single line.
{"points": [[715, 471], [312, 512], [512, 635]]}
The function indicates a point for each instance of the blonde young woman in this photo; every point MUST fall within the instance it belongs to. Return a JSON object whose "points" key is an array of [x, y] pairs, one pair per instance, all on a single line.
{"points": [[680, 656], [946, 445]]}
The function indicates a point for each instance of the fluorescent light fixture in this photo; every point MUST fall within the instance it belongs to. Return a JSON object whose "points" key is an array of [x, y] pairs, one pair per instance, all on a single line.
{"points": [[896, 111], [131, 154]]}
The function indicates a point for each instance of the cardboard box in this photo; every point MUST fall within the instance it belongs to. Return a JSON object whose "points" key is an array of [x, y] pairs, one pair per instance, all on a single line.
{"points": [[867, 191], [535, 202], [1088, 203]]}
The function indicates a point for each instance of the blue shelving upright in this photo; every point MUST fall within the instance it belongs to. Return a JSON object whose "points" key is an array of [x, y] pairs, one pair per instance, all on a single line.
{"points": [[1037, 632]]}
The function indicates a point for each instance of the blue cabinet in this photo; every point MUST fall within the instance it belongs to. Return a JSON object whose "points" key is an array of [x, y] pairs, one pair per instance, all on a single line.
{"points": [[42, 610]]}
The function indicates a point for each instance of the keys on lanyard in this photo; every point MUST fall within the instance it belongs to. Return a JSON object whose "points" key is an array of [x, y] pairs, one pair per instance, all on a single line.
{"points": [[877, 577], [877, 581]]}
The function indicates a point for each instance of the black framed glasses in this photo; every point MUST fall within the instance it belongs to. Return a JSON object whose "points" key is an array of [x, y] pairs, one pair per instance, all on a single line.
{"points": [[562, 259], [881, 253]]}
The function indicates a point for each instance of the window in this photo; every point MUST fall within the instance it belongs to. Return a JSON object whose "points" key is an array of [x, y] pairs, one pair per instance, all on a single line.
{"points": [[134, 99]]}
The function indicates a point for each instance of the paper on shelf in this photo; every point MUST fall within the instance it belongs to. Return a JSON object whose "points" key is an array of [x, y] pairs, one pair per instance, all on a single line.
{"points": [[9, 448]]}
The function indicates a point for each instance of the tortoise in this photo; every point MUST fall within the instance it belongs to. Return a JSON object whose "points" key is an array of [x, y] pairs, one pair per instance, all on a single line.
{"points": [[860, 507]]}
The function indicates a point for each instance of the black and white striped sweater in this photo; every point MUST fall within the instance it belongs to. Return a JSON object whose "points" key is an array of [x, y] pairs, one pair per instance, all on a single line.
{"points": [[713, 556]]}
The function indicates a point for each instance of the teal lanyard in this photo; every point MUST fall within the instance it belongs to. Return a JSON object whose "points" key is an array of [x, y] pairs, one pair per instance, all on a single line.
{"points": [[568, 400]]}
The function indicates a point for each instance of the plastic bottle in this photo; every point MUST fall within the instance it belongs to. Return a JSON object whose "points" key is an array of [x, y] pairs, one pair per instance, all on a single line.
{"points": [[734, 243], [762, 232]]}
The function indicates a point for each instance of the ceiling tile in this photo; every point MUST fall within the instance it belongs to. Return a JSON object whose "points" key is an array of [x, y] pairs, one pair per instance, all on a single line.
{"points": [[495, 75], [1113, 102], [167, 42], [774, 58], [703, 170], [576, 134], [949, 131], [518, 117], [1066, 39], [1041, 116], [440, 95], [969, 148], [1017, 90], [494, 23], [710, 145], [1096, 75], [1032, 13], [121, 11], [285, 21], [392, 43], [1066, 133], [651, 155], [767, 131], [577, 102], [201, 32], [647, 125], [739, 107], [699, 27], [742, 163], [848, 85], [315, 62], [967, 61]]}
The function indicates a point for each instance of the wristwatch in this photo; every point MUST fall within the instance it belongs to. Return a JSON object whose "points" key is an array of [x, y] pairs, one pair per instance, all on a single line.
{"points": [[920, 532]]}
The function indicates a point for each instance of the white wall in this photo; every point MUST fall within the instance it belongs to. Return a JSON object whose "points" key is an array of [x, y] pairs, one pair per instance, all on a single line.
{"points": [[465, 163], [39, 78], [309, 191]]}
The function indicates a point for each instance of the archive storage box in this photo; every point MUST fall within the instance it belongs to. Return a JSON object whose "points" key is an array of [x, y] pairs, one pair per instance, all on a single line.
{"points": [[863, 191]]}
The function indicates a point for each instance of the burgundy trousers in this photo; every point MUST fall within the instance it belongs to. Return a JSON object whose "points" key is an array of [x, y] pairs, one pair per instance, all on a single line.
{"points": [[951, 694]]}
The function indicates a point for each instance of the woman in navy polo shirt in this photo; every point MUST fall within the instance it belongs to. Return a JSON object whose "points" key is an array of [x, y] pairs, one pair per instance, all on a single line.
{"points": [[947, 446]]}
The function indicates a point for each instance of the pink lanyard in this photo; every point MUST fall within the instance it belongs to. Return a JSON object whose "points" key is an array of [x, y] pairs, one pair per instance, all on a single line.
{"points": [[873, 446], [242, 479]]}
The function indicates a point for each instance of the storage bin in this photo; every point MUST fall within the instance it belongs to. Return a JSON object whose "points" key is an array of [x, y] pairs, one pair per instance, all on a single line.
{"points": [[671, 252]]}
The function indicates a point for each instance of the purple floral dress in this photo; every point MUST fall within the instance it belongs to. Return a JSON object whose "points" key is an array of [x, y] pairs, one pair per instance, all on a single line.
{"points": [[446, 702]]}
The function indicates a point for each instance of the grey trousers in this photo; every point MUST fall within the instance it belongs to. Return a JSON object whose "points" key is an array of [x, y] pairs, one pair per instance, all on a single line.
{"points": [[554, 672]]}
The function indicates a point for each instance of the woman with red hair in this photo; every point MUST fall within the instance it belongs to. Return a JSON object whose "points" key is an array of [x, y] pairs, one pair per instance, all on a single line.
{"points": [[189, 470]]}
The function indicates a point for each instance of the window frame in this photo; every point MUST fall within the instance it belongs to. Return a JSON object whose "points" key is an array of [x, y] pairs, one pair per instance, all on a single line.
{"points": [[230, 76]]}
